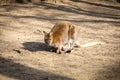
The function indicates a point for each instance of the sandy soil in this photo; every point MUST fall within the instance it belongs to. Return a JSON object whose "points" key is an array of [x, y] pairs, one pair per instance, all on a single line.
{"points": [[24, 56]]}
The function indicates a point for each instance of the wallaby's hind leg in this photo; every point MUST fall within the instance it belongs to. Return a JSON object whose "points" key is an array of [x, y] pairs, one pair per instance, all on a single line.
{"points": [[74, 36], [68, 48]]}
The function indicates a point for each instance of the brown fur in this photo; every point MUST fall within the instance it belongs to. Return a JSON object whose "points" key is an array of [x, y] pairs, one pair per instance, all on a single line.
{"points": [[63, 33]]}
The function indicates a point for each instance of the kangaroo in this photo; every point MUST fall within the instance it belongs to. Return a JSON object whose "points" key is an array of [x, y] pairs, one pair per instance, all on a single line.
{"points": [[63, 36]]}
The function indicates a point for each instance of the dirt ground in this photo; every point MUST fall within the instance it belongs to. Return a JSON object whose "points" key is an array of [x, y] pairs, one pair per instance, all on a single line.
{"points": [[24, 56]]}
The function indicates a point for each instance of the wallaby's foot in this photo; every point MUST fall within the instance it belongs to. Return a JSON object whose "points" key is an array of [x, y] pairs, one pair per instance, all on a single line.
{"points": [[58, 51], [68, 51], [62, 49]]}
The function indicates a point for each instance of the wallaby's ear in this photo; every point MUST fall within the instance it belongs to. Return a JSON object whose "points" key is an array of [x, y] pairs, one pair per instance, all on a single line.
{"points": [[41, 32], [44, 32]]}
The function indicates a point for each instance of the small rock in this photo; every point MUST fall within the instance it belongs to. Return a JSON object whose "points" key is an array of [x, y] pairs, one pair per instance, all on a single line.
{"points": [[18, 51]]}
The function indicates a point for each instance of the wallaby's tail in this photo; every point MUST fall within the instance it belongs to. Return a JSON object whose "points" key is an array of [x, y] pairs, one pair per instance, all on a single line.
{"points": [[91, 44]]}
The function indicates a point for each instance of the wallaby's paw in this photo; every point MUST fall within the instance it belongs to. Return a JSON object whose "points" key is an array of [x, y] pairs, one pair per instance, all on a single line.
{"points": [[58, 51]]}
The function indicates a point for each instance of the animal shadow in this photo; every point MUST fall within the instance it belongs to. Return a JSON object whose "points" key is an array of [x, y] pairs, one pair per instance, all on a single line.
{"points": [[37, 46]]}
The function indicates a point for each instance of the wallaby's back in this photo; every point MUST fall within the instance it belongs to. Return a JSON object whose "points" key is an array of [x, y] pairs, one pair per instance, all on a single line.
{"points": [[62, 35], [63, 31]]}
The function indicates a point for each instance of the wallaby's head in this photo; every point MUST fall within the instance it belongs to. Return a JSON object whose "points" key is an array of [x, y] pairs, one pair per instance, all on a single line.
{"points": [[48, 38]]}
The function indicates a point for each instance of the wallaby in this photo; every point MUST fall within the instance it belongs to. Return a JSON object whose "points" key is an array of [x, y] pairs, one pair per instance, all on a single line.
{"points": [[63, 36]]}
